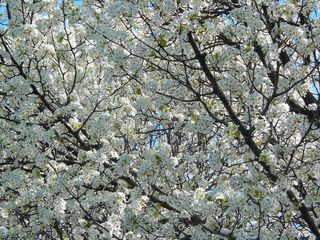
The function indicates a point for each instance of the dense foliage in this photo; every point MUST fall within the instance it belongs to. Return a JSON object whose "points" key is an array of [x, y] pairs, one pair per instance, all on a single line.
{"points": [[159, 119]]}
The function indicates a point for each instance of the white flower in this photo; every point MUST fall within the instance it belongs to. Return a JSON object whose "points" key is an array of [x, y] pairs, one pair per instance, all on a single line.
{"points": [[48, 49], [4, 212], [3, 232], [60, 206]]}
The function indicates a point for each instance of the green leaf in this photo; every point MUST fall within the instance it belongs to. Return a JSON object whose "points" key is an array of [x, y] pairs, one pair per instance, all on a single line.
{"points": [[97, 17], [247, 49], [237, 134], [152, 54], [194, 82], [86, 226], [209, 197], [139, 91], [37, 173], [258, 142], [182, 26], [193, 16], [60, 38], [18, 41], [288, 215], [194, 118], [157, 157], [217, 57], [202, 29], [157, 211], [222, 201], [117, 126], [229, 134], [155, 214], [74, 12], [162, 42], [167, 19], [264, 158], [233, 132], [222, 161], [76, 126], [257, 194]]}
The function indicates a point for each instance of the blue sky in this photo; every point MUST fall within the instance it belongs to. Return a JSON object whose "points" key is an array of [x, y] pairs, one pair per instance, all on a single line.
{"points": [[4, 21], [315, 14], [77, 2]]}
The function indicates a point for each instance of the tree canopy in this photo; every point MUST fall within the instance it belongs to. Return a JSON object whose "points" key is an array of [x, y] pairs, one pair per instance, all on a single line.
{"points": [[159, 119]]}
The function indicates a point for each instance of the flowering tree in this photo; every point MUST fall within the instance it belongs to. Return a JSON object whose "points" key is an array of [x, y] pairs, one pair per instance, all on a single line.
{"points": [[160, 119]]}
